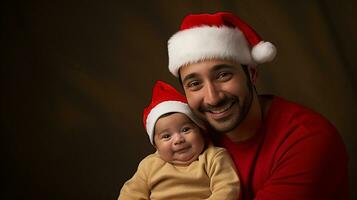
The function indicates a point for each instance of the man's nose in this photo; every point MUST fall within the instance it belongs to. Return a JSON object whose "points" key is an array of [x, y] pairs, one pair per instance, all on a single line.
{"points": [[213, 94]]}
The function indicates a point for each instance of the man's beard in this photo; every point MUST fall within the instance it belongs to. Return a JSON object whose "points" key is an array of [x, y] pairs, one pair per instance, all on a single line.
{"points": [[244, 108]]}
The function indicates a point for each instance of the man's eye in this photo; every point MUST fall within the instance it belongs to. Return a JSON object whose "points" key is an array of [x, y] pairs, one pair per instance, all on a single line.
{"points": [[224, 76], [193, 85]]}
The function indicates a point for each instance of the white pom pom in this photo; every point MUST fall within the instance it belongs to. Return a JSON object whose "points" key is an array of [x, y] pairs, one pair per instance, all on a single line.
{"points": [[263, 52]]}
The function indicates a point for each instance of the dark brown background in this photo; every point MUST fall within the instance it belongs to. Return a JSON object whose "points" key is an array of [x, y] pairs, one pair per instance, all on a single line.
{"points": [[76, 75]]}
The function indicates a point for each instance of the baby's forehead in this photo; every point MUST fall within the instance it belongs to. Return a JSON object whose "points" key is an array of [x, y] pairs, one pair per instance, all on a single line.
{"points": [[172, 121], [182, 119]]}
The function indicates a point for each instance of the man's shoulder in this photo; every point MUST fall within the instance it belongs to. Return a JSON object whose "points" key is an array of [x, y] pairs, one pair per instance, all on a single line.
{"points": [[282, 104], [294, 126], [289, 121], [291, 118], [298, 145], [283, 108]]}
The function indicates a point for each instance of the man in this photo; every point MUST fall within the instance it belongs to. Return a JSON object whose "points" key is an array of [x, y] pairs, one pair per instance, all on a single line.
{"points": [[281, 150]]}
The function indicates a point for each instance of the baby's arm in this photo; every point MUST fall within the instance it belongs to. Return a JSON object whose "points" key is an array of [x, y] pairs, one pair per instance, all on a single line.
{"points": [[137, 187], [225, 182]]}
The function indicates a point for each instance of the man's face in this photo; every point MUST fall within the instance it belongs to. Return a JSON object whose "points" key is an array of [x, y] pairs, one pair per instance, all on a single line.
{"points": [[218, 91]]}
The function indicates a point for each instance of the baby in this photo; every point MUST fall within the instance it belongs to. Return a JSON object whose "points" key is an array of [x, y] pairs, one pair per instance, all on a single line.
{"points": [[185, 165]]}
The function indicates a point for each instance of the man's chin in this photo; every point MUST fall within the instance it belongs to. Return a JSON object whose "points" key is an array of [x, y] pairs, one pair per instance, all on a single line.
{"points": [[224, 126]]}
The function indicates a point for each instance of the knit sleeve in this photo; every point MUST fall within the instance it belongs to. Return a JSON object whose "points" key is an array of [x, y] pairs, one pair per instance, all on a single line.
{"points": [[311, 164], [137, 187], [224, 182]]}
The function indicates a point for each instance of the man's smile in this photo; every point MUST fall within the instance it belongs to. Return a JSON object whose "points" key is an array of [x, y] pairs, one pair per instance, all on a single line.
{"points": [[221, 111]]}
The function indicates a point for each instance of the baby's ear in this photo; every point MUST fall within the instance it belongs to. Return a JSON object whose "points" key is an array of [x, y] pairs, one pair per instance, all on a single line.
{"points": [[153, 143], [155, 148]]}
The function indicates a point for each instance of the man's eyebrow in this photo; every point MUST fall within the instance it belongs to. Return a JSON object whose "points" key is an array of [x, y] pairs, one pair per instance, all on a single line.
{"points": [[214, 69], [190, 76], [222, 66]]}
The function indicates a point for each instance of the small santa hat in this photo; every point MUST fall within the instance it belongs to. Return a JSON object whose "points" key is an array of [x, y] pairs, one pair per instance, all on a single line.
{"points": [[219, 35], [165, 99]]}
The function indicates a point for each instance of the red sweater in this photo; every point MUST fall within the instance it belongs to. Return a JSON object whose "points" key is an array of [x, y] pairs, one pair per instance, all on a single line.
{"points": [[295, 155]]}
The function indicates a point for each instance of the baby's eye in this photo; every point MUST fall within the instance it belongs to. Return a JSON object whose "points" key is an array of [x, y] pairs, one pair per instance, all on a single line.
{"points": [[186, 129], [165, 136]]}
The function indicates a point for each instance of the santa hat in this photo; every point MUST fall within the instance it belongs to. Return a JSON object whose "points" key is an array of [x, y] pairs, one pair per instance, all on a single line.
{"points": [[219, 35], [165, 99]]}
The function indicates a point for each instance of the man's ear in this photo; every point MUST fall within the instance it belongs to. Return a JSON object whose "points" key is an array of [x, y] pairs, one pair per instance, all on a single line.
{"points": [[253, 73], [179, 77]]}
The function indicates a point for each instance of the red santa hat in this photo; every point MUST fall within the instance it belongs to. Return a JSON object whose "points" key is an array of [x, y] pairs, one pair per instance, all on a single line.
{"points": [[219, 35], [165, 99]]}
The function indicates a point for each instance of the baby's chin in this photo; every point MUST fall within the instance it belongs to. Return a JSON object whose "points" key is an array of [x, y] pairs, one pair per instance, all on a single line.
{"points": [[184, 162]]}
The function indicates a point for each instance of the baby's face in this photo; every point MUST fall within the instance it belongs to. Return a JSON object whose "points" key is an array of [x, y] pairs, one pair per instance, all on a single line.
{"points": [[177, 139]]}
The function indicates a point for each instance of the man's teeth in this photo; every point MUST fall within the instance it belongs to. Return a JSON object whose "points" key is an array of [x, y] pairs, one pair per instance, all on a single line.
{"points": [[221, 109]]}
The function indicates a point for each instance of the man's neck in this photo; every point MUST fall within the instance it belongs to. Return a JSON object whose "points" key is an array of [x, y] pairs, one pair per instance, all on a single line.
{"points": [[252, 122]]}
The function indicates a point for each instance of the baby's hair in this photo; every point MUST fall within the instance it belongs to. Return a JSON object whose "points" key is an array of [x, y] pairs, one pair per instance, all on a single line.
{"points": [[166, 114]]}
